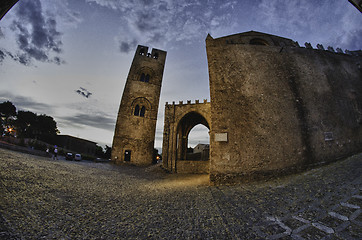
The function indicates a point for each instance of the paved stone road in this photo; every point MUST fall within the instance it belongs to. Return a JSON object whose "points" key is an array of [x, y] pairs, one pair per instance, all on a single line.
{"points": [[46, 199]]}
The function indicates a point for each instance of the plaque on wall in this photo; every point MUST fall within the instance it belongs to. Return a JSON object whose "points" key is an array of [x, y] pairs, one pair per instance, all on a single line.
{"points": [[328, 136], [221, 137]]}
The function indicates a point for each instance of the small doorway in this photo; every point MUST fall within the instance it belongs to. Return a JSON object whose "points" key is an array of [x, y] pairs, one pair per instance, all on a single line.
{"points": [[127, 155]]}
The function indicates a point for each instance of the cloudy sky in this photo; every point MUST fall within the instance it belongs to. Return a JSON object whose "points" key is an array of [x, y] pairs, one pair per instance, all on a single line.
{"points": [[70, 58]]}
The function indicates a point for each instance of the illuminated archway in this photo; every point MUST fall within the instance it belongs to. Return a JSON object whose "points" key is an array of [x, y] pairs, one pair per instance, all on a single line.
{"points": [[188, 122]]}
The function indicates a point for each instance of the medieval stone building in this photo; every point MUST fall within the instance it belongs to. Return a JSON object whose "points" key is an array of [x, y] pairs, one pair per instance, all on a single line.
{"points": [[134, 135], [179, 120], [275, 107]]}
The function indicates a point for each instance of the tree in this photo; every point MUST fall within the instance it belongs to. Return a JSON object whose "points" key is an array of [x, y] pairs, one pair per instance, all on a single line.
{"points": [[31, 125], [107, 153], [25, 124], [7, 115], [7, 109], [99, 151], [46, 128]]}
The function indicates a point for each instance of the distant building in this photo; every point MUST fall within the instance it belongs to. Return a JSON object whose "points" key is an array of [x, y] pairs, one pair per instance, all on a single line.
{"points": [[357, 4], [201, 147], [77, 145]]}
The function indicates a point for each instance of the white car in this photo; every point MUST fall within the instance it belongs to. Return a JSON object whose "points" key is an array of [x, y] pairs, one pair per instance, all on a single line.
{"points": [[77, 157]]}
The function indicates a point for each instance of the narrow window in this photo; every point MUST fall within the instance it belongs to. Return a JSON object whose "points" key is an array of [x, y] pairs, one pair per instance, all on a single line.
{"points": [[142, 78], [143, 110], [127, 155], [137, 110], [147, 78]]}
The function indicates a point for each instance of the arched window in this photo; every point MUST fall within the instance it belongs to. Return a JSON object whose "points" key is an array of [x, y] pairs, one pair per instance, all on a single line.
{"points": [[155, 56], [137, 110], [143, 111], [147, 78], [139, 107], [142, 51], [258, 41], [142, 78]]}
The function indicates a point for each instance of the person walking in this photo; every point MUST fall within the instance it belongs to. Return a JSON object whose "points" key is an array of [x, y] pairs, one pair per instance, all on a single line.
{"points": [[55, 152]]}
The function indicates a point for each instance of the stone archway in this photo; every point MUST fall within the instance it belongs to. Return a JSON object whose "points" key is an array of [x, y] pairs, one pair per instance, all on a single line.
{"points": [[189, 121], [179, 120]]}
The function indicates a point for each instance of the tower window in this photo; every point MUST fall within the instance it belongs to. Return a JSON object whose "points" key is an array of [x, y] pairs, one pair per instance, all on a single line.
{"points": [[142, 79], [155, 56], [143, 111], [137, 110], [145, 78]]}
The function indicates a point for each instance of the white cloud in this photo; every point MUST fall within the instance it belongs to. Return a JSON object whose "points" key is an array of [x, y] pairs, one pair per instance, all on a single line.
{"points": [[160, 23], [330, 22]]}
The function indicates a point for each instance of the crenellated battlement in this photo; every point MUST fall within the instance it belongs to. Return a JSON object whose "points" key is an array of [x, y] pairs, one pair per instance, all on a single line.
{"points": [[181, 103], [263, 39], [331, 49], [154, 54]]}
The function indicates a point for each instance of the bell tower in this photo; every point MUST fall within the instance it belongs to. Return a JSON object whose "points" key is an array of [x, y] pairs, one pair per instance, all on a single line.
{"points": [[134, 135]]}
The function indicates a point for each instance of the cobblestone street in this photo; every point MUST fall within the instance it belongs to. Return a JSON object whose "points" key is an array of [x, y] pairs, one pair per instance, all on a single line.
{"points": [[42, 198]]}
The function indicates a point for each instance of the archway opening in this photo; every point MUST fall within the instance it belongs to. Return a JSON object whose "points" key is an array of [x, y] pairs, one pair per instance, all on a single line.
{"points": [[198, 143], [186, 124]]}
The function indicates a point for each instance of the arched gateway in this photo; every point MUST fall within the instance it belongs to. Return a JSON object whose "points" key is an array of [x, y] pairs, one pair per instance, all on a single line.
{"points": [[179, 120]]}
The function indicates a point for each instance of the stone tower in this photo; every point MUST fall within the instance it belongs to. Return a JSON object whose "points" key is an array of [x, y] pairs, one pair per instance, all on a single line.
{"points": [[134, 136]]}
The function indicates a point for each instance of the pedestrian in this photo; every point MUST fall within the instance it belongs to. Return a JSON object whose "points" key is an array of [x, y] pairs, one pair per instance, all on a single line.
{"points": [[47, 152], [55, 152]]}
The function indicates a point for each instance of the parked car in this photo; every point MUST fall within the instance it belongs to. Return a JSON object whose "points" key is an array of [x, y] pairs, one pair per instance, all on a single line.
{"points": [[77, 157], [69, 156]]}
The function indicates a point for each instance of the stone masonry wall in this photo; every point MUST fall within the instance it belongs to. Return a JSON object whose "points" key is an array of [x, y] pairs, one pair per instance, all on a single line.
{"points": [[179, 120], [277, 107]]}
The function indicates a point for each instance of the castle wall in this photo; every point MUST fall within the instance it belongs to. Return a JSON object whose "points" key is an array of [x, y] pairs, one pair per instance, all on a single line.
{"points": [[179, 120], [278, 107], [194, 167], [330, 86]]}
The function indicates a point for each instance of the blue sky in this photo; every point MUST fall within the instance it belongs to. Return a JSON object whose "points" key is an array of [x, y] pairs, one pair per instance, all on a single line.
{"points": [[52, 51]]}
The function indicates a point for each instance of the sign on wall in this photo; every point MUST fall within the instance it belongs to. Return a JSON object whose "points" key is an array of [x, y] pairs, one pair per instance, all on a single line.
{"points": [[221, 137]]}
